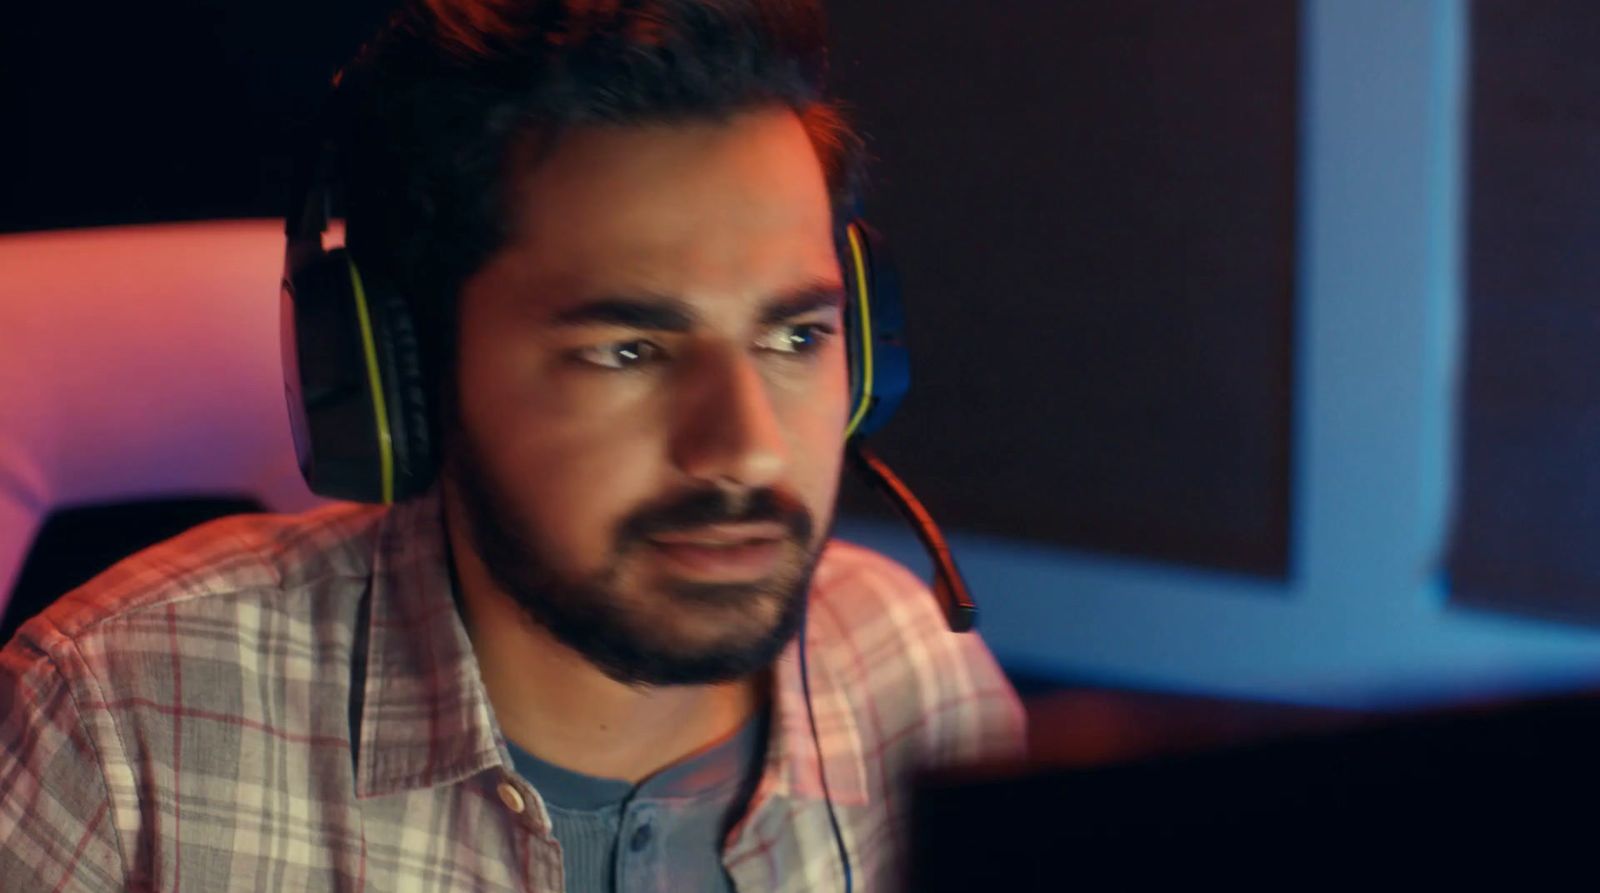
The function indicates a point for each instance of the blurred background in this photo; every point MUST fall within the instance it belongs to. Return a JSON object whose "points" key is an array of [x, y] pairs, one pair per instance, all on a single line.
{"points": [[1254, 341]]}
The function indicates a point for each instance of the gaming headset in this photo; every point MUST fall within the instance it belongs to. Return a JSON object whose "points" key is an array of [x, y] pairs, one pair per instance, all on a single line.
{"points": [[358, 400]]}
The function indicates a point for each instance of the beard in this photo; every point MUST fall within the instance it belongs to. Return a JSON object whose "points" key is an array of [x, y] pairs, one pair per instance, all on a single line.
{"points": [[626, 624]]}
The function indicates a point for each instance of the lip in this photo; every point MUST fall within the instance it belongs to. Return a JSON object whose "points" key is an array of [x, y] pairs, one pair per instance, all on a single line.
{"points": [[722, 552], [722, 534]]}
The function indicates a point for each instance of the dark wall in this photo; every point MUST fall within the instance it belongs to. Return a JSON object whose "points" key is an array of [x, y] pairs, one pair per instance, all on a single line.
{"points": [[179, 109], [1529, 483], [1093, 202]]}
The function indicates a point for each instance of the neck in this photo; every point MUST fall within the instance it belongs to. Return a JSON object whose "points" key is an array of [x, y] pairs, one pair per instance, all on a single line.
{"points": [[555, 704]]}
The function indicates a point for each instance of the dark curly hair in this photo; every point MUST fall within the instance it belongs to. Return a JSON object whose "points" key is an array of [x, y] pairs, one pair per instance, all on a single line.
{"points": [[440, 107]]}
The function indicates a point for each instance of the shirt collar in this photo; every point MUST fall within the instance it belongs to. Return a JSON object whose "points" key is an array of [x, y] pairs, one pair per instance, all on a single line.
{"points": [[425, 717], [793, 766]]}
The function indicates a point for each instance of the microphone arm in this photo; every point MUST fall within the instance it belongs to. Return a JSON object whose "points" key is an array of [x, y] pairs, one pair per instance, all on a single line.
{"points": [[960, 612]]}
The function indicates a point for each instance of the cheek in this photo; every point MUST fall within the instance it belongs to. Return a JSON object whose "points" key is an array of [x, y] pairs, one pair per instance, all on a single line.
{"points": [[579, 496], [571, 464], [816, 419], [573, 490]]}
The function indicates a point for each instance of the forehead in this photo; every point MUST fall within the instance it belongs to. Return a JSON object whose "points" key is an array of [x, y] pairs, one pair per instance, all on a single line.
{"points": [[732, 208]]}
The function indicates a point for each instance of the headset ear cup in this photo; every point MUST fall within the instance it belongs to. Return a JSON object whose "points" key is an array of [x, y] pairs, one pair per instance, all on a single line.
{"points": [[407, 392], [353, 378], [880, 365], [327, 380], [397, 356], [853, 286]]}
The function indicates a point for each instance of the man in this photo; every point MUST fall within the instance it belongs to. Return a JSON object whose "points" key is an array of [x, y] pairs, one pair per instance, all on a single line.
{"points": [[574, 663]]}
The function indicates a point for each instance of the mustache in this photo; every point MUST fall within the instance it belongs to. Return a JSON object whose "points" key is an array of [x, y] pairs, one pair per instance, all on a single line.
{"points": [[705, 507]]}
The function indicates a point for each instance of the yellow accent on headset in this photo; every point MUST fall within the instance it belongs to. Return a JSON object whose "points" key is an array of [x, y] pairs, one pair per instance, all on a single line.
{"points": [[865, 318], [379, 410]]}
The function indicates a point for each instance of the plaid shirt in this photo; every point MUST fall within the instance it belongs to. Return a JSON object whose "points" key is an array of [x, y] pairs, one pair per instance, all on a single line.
{"points": [[272, 703]]}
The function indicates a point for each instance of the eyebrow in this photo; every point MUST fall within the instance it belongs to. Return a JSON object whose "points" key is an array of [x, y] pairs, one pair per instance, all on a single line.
{"points": [[657, 313], [809, 299], [654, 314]]}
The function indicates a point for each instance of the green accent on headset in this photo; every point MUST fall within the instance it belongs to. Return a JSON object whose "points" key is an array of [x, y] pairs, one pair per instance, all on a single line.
{"points": [[864, 317], [379, 410]]}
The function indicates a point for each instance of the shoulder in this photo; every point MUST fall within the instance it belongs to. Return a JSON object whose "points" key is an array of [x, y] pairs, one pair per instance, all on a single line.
{"points": [[209, 568], [869, 599], [859, 583], [886, 638], [223, 620], [240, 626]]}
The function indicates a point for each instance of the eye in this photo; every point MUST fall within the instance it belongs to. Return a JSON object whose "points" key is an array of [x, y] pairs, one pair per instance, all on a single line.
{"points": [[801, 338], [619, 354]]}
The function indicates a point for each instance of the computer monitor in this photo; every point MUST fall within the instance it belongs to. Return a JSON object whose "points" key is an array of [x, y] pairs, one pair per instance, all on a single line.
{"points": [[1443, 796]]}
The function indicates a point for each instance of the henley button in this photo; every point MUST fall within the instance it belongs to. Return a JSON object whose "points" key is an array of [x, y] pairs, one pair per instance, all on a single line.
{"points": [[511, 797], [641, 838]]}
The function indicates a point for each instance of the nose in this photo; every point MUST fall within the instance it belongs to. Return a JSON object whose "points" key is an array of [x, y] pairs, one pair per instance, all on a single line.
{"points": [[729, 434]]}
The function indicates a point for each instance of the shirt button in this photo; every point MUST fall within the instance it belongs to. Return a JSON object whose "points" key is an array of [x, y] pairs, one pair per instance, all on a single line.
{"points": [[511, 797], [641, 838]]}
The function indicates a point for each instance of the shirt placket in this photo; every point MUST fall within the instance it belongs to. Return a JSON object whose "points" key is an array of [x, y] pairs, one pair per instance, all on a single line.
{"points": [[639, 857], [530, 824]]}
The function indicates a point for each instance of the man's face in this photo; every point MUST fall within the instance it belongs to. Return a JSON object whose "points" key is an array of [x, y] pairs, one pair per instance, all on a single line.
{"points": [[652, 394]]}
